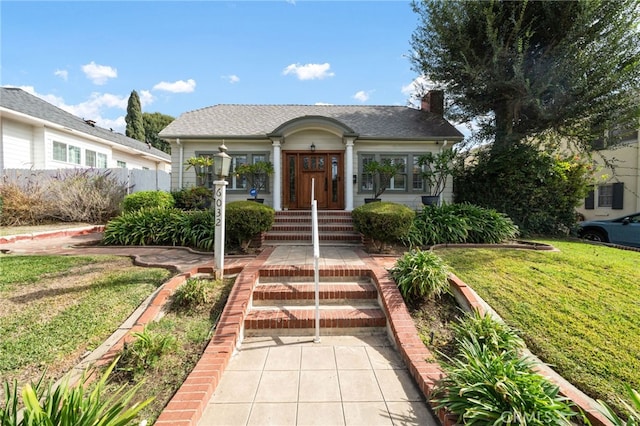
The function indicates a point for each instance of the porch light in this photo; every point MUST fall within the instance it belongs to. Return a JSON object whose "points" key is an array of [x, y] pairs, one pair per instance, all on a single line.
{"points": [[221, 162], [313, 147]]}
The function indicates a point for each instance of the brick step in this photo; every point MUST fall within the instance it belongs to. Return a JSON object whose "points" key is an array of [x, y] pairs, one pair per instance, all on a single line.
{"points": [[307, 213], [289, 320], [307, 219], [304, 292], [300, 227], [351, 237]]}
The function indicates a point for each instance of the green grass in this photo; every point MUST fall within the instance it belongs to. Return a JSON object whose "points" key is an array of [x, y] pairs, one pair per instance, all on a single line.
{"points": [[578, 309], [29, 269], [50, 321]]}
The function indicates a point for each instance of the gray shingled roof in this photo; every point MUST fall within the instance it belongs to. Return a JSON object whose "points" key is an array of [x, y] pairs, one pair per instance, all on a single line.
{"points": [[18, 100], [389, 122]]}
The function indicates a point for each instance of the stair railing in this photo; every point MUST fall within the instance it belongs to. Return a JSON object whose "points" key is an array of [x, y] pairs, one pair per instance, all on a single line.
{"points": [[316, 257]]}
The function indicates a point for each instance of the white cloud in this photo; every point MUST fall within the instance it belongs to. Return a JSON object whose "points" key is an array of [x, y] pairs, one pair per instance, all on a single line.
{"points": [[362, 96], [309, 71], [231, 78], [94, 108], [63, 74], [99, 74], [146, 98], [179, 86]]}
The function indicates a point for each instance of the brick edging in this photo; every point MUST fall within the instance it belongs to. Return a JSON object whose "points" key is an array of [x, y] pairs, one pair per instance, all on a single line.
{"points": [[191, 399], [69, 232]]}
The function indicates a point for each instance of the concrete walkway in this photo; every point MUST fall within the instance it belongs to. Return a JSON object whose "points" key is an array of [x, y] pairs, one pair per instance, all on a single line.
{"points": [[343, 380]]}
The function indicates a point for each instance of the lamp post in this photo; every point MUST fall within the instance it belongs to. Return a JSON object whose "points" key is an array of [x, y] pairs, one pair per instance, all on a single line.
{"points": [[221, 164]]}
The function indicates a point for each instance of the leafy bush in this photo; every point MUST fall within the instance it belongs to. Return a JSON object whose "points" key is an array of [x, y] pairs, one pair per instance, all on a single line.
{"points": [[25, 201], [195, 198], [144, 352], [459, 223], [161, 226], [246, 219], [383, 222], [73, 195], [194, 292], [66, 405], [538, 190], [420, 274], [147, 199], [487, 331], [632, 411]]}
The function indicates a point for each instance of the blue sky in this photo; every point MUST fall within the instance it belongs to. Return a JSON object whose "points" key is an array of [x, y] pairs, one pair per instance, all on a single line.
{"points": [[87, 57]]}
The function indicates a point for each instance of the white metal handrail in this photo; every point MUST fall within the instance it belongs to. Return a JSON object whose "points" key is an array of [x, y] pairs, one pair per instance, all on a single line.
{"points": [[316, 257]]}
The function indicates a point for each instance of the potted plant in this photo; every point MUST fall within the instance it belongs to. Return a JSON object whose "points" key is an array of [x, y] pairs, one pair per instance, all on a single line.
{"points": [[436, 169], [201, 165], [381, 173], [257, 174]]}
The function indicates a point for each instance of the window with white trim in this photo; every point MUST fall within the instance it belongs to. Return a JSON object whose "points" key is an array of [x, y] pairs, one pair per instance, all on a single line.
{"points": [[66, 153], [90, 158], [605, 195], [101, 160], [121, 164]]}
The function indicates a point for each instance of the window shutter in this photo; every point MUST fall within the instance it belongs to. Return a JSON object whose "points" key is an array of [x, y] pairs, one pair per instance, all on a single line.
{"points": [[589, 201], [618, 196]]}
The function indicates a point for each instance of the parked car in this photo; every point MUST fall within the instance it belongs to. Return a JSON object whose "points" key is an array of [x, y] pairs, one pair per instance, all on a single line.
{"points": [[624, 230]]}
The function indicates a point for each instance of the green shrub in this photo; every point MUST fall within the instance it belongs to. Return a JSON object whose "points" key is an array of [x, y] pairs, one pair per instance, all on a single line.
{"points": [[147, 199], [161, 226], [67, 405], [538, 190], [459, 223], [246, 219], [195, 198], [420, 274], [193, 293], [484, 387], [487, 331], [383, 222], [145, 351]]}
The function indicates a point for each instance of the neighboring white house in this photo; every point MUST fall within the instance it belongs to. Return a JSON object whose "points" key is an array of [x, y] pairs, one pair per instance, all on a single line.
{"points": [[37, 135], [329, 143], [619, 193]]}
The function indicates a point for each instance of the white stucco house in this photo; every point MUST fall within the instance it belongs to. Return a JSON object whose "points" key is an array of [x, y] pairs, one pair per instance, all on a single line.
{"points": [[35, 134], [327, 143], [618, 193]]}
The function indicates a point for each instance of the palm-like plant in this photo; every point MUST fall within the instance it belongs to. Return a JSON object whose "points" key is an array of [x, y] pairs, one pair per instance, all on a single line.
{"points": [[381, 173], [257, 174]]}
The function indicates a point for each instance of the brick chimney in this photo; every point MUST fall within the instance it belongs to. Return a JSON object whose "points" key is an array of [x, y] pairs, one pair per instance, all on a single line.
{"points": [[433, 101]]}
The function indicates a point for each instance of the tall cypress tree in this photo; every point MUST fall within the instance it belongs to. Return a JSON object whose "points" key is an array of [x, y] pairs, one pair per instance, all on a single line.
{"points": [[135, 123]]}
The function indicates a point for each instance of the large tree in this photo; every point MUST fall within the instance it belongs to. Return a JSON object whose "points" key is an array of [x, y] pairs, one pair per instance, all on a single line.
{"points": [[520, 68], [135, 124], [153, 124]]}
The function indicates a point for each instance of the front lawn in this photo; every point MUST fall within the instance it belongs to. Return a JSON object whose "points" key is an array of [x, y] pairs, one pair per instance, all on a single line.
{"points": [[54, 309], [578, 309]]}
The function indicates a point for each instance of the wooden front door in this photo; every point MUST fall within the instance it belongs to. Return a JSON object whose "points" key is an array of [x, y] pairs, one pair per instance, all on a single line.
{"points": [[323, 168]]}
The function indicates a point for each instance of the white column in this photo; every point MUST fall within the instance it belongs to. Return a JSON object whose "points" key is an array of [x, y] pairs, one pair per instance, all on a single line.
{"points": [[277, 176], [219, 199], [348, 179]]}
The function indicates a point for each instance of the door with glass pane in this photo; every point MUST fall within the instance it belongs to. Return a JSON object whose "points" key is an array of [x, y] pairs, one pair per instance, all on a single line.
{"points": [[322, 168]]}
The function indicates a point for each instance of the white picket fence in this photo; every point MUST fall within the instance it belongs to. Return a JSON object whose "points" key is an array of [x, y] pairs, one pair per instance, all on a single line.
{"points": [[135, 179]]}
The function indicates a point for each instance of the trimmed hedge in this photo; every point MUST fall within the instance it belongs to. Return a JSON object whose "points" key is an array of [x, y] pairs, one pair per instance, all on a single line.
{"points": [[246, 219], [147, 199], [195, 198], [383, 222]]}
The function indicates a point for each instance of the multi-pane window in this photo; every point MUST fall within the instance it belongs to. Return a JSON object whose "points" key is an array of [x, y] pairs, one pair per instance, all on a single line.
{"points": [[101, 160], [121, 164], [417, 183], [90, 158], [60, 151], [236, 182], [74, 154], [397, 183], [605, 195]]}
